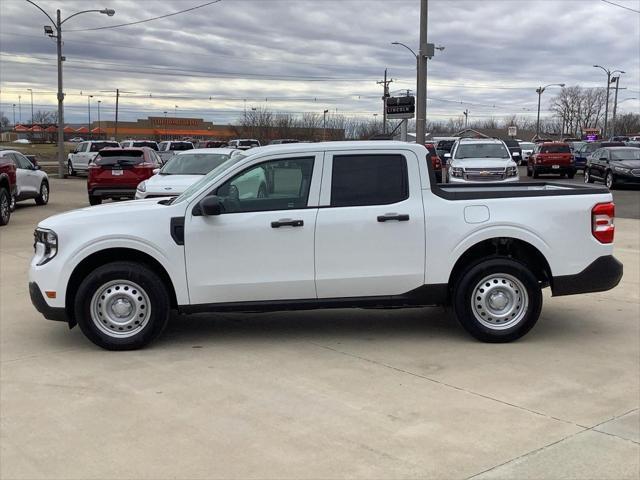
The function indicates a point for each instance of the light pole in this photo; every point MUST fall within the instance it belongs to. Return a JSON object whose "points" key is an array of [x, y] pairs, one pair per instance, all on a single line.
{"points": [[30, 90], [606, 107], [20, 109], [49, 30], [324, 125], [14, 116], [89, 97], [615, 104], [539, 91], [99, 128], [175, 111]]}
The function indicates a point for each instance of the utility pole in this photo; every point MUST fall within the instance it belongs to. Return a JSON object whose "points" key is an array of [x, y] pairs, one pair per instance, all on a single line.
{"points": [[14, 116], [20, 109], [421, 86], [324, 125], [385, 94], [30, 90], [99, 126], [615, 106], [115, 134], [609, 81], [89, 97], [539, 91], [466, 118]]}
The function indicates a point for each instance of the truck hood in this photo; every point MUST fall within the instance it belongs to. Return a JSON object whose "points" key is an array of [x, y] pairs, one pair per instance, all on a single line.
{"points": [[171, 184], [483, 163]]}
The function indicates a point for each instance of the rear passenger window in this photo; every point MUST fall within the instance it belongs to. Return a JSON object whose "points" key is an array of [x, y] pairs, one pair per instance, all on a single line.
{"points": [[359, 180]]}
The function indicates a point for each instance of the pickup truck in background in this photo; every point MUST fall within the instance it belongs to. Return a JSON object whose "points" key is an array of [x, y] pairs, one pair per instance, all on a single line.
{"points": [[79, 159], [166, 150], [332, 225]]}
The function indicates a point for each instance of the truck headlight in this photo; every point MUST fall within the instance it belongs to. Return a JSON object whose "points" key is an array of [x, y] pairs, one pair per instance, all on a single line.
{"points": [[456, 172], [142, 186], [47, 240], [512, 171]]}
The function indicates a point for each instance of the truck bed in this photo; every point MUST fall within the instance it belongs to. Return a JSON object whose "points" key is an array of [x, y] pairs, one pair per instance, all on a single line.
{"points": [[511, 190]]}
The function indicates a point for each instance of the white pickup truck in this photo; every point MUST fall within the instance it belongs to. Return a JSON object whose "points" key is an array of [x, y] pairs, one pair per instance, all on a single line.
{"points": [[333, 225]]}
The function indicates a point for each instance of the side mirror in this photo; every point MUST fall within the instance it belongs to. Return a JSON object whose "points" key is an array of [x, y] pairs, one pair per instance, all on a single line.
{"points": [[36, 167], [447, 155], [156, 171], [210, 206]]}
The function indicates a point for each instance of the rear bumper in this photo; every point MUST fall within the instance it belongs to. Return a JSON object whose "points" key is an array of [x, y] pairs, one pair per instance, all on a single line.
{"points": [[110, 192], [50, 313], [549, 169], [602, 274]]}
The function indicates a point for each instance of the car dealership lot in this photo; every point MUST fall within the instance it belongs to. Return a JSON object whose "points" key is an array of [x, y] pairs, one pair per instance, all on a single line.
{"points": [[359, 393]]}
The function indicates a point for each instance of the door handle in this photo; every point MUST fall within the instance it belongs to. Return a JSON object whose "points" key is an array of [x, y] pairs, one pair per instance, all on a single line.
{"points": [[287, 222], [393, 216]]}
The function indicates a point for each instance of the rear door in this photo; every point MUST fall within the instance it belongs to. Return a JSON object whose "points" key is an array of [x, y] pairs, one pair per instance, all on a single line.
{"points": [[370, 231]]}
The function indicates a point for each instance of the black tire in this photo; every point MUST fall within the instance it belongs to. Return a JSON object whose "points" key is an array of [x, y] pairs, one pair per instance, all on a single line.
{"points": [[70, 171], [148, 281], [529, 173], [5, 206], [469, 283], [535, 173], [43, 196], [94, 200], [587, 176], [610, 181]]}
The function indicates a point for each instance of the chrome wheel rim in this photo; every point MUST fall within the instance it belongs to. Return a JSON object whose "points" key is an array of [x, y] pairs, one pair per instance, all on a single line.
{"points": [[499, 301], [5, 205], [609, 180], [586, 176], [120, 308], [69, 168], [12, 205], [44, 192]]}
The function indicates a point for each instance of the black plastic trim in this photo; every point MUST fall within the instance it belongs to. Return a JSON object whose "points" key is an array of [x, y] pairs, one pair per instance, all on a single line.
{"points": [[177, 230], [50, 313], [513, 190], [602, 274], [427, 295]]}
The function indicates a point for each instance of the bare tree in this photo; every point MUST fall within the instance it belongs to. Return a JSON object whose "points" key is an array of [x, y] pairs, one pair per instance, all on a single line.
{"points": [[45, 117], [4, 121], [628, 124], [579, 108]]}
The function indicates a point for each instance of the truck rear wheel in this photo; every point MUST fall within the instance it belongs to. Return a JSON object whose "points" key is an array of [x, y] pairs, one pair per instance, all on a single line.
{"points": [[497, 300], [122, 306]]}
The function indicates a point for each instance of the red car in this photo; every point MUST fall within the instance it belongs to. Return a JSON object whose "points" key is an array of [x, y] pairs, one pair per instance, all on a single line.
{"points": [[551, 157], [435, 161], [116, 172], [7, 187]]}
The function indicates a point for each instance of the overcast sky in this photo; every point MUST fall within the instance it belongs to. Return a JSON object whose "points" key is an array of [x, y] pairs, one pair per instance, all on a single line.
{"points": [[307, 56]]}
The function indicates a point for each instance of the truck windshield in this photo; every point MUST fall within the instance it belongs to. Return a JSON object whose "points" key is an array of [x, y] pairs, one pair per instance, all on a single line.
{"points": [[482, 150], [193, 163], [194, 188]]}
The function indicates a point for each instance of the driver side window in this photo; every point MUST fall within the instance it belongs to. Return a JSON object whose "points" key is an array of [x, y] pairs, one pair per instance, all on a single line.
{"points": [[274, 185]]}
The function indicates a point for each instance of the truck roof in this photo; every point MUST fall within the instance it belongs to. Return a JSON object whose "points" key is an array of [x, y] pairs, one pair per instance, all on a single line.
{"points": [[342, 145]]}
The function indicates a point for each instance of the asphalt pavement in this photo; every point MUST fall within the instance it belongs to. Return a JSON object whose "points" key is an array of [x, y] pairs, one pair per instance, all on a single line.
{"points": [[325, 394]]}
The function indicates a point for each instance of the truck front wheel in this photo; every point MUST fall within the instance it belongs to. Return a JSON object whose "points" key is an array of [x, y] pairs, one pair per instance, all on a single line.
{"points": [[497, 300], [122, 306]]}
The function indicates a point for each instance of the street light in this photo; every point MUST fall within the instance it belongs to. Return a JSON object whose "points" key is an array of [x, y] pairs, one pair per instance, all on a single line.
{"points": [[20, 109], [539, 91], [615, 103], [57, 34], [324, 125], [89, 97], [606, 108], [99, 127], [31, 92]]}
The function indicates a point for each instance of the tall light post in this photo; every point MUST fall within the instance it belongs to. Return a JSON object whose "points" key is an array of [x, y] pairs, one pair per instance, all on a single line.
{"points": [[14, 116], [99, 127], [615, 103], [324, 125], [175, 111], [539, 91], [89, 97], [20, 109], [606, 105], [30, 90], [49, 30]]}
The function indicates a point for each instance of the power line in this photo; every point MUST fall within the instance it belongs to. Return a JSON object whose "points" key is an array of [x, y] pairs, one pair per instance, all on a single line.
{"points": [[621, 6], [145, 20]]}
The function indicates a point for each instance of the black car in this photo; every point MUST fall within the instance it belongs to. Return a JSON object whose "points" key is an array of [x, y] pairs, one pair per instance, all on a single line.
{"points": [[582, 153], [614, 166], [515, 150], [443, 147]]}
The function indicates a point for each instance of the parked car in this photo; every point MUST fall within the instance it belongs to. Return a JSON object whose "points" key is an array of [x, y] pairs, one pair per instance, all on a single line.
{"points": [[244, 144], [76, 139], [619, 138], [444, 146], [30, 181], [116, 172], [212, 144], [361, 237], [283, 140], [614, 166], [168, 149], [7, 186], [153, 145], [184, 169], [527, 150], [582, 153], [515, 150], [78, 160], [551, 157], [436, 162], [633, 144], [480, 160]]}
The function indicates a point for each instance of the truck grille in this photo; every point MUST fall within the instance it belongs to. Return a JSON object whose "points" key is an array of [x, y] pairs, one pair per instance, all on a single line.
{"points": [[484, 174]]}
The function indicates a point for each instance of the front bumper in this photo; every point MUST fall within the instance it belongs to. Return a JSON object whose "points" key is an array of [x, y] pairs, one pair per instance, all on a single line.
{"points": [[626, 178], [58, 314], [602, 274]]}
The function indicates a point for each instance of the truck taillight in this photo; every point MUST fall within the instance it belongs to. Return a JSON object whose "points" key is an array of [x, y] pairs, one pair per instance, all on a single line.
{"points": [[602, 226]]}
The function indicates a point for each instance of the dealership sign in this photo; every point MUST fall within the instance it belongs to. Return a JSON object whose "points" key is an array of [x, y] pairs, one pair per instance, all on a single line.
{"points": [[401, 107]]}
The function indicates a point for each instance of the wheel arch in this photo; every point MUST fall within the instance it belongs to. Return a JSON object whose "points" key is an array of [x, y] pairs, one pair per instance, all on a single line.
{"points": [[504, 246], [109, 255]]}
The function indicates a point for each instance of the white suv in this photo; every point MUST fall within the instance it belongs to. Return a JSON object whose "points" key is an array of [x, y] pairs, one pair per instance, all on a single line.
{"points": [[480, 160], [31, 182], [79, 159]]}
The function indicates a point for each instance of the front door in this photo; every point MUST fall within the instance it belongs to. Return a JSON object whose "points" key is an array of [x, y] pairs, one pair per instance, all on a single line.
{"points": [[260, 248], [370, 232]]}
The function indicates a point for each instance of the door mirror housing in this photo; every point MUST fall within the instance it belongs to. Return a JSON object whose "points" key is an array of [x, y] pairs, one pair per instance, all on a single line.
{"points": [[209, 206]]}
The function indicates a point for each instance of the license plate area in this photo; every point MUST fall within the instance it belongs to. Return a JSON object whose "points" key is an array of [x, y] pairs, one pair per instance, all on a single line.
{"points": [[555, 167], [116, 172]]}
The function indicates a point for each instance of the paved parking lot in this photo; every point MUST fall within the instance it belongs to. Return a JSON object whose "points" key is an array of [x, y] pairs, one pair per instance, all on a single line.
{"points": [[326, 394]]}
